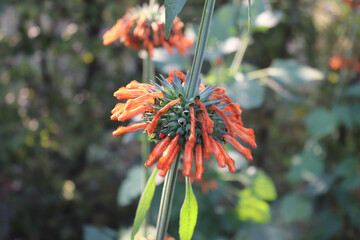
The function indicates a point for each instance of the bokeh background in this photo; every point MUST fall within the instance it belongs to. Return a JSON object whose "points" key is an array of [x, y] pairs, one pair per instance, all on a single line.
{"points": [[64, 176]]}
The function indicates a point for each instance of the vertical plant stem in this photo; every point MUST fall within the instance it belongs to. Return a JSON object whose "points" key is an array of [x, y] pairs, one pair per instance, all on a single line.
{"points": [[166, 200], [148, 73], [239, 55], [201, 46], [344, 73]]}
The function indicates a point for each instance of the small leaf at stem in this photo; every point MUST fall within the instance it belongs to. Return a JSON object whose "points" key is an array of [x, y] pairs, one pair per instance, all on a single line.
{"points": [[172, 9], [188, 213], [144, 203]]}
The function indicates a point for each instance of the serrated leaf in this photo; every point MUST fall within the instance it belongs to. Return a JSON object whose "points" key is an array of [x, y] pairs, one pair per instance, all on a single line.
{"points": [[172, 9], [264, 187], [188, 213], [144, 203]]}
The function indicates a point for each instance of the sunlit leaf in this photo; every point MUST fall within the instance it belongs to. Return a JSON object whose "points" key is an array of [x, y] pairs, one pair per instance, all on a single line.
{"points": [[172, 9], [294, 208], [268, 19], [188, 213], [251, 208], [144, 203], [264, 186], [291, 72]]}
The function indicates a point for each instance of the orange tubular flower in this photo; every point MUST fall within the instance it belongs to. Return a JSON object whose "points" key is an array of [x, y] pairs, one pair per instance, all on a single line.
{"points": [[188, 159], [205, 138], [143, 28], [132, 128], [167, 153], [337, 62], [199, 162], [192, 137], [209, 123], [157, 151], [240, 148], [199, 125], [352, 3], [151, 127]]}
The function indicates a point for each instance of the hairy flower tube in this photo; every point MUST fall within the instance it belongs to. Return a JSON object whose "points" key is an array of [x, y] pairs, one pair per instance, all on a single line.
{"points": [[197, 126], [144, 28]]}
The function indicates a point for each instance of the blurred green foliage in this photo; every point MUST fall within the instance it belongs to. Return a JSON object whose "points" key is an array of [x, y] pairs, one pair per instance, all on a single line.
{"points": [[64, 176]]}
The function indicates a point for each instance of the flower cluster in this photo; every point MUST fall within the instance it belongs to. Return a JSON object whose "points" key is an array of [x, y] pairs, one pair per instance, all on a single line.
{"points": [[353, 3], [199, 124], [143, 28], [337, 62]]}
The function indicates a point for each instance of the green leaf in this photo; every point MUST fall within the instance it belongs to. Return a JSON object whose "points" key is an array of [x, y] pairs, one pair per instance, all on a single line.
{"points": [[308, 165], [344, 114], [130, 187], [264, 187], [321, 122], [188, 213], [164, 62], [353, 90], [172, 9], [251, 208], [295, 208], [94, 233], [249, 93], [144, 203], [291, 72], [222, 26]]}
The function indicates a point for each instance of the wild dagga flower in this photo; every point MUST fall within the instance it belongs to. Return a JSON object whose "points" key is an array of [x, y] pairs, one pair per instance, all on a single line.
{"points": [[143, 27], [199, 125], [353, 3], [337, 62]]}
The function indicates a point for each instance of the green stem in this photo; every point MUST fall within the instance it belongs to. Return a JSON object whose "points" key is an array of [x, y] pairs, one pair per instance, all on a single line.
{"points": [[166, 200], [239, 55], [344, 72], [201, 43], [148, 73]]}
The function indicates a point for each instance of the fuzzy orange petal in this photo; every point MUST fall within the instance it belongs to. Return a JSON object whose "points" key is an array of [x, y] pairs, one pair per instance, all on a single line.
{"points": [[151, 127], [240, 148], [217, 153], [208, 121], [158, 150], [199, 167], [131, 128]]}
